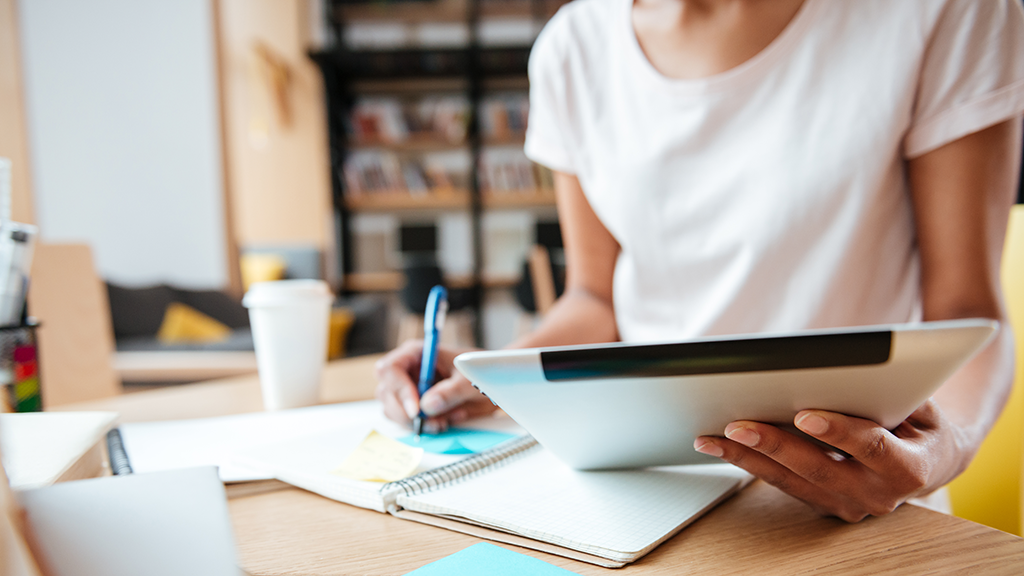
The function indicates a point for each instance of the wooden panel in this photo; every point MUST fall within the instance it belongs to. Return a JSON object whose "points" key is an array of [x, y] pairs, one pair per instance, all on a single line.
{"points": [[275, 134], [76, 338], [13, 142]]}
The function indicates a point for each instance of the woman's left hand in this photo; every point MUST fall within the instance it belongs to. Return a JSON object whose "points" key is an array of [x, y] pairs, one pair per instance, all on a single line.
{"points": [[883, 469]]}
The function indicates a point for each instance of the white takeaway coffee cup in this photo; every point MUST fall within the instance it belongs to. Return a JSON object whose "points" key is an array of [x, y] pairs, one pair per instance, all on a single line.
{"points": [[290, 320]]}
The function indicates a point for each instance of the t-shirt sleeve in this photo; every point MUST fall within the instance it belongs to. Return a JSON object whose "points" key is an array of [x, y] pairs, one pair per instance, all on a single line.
{"points": [[972, 75], [546, 136]]}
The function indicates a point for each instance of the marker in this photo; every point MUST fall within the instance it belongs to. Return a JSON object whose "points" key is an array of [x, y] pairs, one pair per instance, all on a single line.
{"points": [[433, 321]]}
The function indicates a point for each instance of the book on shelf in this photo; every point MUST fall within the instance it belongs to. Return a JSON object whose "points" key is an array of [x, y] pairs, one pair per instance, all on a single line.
{"points": [[391, 120], [378, 171], [507, 169], [503, 116], [545, 177], [515, 492]]}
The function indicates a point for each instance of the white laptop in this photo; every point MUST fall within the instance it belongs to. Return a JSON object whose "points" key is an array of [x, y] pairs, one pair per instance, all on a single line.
{"points": [[626, 406]]}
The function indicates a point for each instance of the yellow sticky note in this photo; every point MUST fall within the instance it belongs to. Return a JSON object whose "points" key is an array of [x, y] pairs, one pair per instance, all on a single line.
{"points": [[380, 459]]}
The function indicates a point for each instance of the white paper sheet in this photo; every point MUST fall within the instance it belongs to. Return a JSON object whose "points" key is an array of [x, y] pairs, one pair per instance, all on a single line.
{"points": [[159, 524], [40, 446], [155, 446]]}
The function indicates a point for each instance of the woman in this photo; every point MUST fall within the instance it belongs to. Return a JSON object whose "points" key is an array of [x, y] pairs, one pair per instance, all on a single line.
{"points": [[741, 166]]}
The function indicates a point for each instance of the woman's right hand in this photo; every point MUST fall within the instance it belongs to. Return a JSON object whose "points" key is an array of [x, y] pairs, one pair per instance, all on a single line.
{"points": [[451, 400]]}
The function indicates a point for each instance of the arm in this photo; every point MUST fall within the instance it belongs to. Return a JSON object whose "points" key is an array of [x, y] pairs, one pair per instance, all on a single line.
{"points": [[961, 193], [583, 314]]}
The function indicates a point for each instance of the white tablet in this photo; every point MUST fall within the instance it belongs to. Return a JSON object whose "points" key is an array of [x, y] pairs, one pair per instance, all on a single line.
{"points": [[624, 406]]}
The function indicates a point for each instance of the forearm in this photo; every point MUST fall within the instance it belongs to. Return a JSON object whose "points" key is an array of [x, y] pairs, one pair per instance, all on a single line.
{"points": [[975, 396], [578, 317], [962, 194]]}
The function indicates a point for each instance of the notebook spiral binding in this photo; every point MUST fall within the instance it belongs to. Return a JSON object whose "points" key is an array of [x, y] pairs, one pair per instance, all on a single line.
{"points": [[466, 468], [119, 463]]}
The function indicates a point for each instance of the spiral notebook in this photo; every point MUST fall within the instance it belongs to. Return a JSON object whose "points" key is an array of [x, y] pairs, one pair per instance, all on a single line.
{"points": [[518, 493]]}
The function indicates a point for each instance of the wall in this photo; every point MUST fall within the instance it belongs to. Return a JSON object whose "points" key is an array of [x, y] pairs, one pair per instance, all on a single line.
{"points": [[13, 142], [122, 109], [276, 135]]}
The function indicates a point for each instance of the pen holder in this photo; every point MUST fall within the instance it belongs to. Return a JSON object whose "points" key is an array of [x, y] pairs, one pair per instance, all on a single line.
{"points": [[19, 369]]}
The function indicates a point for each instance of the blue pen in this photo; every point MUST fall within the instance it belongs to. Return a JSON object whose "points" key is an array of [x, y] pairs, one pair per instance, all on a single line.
{"points": [[433, 321]]}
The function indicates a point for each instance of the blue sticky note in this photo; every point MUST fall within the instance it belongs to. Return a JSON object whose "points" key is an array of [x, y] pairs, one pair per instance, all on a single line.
{"points": [[484, 558], [457, 441]]}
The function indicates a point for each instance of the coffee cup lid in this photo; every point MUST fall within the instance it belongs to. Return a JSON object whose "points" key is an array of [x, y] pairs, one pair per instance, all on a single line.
{"points": [[282, 292]]}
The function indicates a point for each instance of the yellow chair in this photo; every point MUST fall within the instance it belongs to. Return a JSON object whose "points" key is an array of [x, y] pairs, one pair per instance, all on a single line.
{"points": [[990, 491]]}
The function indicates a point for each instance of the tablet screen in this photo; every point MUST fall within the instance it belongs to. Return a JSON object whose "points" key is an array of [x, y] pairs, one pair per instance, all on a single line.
{"points": [[721, 356]]}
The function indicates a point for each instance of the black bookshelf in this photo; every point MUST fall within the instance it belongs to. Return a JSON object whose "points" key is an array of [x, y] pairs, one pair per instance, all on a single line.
{"points": [[472, 64], [425, 63]]}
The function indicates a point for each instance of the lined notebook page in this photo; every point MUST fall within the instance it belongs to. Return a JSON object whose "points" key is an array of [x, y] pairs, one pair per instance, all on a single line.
{"points": [[615, 514]]}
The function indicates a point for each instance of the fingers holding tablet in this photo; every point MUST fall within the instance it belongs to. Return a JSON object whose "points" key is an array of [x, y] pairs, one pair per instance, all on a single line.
{"points": [[883, 469]]}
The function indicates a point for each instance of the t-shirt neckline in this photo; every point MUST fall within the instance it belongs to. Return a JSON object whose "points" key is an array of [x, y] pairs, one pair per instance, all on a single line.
{"points": [[723, 81]]}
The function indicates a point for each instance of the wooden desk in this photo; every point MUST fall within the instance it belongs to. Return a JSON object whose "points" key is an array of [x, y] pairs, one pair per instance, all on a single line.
{"points": [[761, 530]]}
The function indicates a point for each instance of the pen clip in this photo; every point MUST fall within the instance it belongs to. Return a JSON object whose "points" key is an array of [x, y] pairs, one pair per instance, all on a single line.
{"points": [[442, 313], [437, 310]]}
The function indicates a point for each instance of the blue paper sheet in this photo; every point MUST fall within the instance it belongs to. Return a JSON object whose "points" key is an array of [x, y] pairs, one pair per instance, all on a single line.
{"points": [[492, 560], [457, 441]]}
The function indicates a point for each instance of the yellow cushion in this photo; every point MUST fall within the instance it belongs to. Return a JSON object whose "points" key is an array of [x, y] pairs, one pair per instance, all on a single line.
{"points": [[183, 323], [261, 268], [342, 320]]}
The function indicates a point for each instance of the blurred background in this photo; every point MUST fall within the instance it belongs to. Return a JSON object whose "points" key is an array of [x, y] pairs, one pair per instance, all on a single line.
{"points": [[194, 146]]}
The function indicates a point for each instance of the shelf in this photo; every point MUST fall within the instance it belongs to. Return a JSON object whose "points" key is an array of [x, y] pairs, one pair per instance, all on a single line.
{"points": [[492, 281], [445, 10], [511, 140], [543, 9], [519, 198], [423, 63], [457, 199], [414, 144], [405, 200], [394, 281], [374, 281], [430, 143], [506, 83], [414, 85], [488, 281], [414, 12]]}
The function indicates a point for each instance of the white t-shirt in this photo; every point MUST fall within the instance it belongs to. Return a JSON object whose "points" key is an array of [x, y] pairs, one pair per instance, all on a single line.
{"points": [[773, 196]]}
